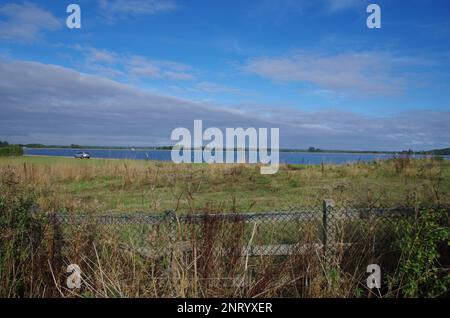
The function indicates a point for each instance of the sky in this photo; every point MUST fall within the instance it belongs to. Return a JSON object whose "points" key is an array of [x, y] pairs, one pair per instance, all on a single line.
{"points": [[137, 69]]}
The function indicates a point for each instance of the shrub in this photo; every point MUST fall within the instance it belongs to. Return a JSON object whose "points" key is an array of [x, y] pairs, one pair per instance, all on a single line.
{"points": [[11, 151], [420, 272], [23, 245]]}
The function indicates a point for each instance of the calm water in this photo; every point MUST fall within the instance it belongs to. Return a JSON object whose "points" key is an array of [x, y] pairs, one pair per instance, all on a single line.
{"points": [[164, 155]]}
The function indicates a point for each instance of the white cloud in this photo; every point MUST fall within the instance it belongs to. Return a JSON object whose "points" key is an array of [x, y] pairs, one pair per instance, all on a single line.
{"points": [[210, 87], [338, 5], [53, 104], [102, 56], [278, 10], [25, 22], [125, 66], [157, 69], [348, 72], [119, 9]]}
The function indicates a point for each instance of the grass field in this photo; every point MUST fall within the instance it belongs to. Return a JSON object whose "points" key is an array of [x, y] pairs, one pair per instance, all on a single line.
{"points": [[35, 250], [121, 185]]}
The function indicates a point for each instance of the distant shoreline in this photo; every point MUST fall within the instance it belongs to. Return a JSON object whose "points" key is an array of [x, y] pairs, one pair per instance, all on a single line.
{"points": [[362, 152], [92, 158]]}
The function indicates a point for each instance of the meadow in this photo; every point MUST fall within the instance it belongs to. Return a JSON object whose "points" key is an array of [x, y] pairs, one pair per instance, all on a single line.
{"points": [[128, 186], [143, 260]]}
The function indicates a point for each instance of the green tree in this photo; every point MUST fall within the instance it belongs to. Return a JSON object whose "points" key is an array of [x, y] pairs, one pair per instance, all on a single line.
{"points": [[4, 143]]}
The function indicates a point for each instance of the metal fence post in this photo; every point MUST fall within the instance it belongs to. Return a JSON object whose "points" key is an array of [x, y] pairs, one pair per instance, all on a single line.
{"points": [[328, 231]]}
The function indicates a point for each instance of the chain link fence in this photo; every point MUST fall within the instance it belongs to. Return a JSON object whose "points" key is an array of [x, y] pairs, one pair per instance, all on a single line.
{"points": [[232, 253], [329, 231]]}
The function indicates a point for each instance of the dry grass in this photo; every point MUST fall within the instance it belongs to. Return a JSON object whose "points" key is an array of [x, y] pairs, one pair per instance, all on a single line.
{"points": [[113, 261], [120, 185]]}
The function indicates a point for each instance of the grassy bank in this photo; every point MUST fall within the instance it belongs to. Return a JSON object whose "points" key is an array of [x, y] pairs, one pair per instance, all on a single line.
{"points": [[121, 185]]}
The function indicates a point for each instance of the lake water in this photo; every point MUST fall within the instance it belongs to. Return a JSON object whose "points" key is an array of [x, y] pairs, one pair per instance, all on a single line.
{"points": [[164, 155]]}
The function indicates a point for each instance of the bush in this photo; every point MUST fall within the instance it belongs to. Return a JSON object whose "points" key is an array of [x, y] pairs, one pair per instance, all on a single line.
{"points": [[11, 151], [24, 257], [420, 272]]}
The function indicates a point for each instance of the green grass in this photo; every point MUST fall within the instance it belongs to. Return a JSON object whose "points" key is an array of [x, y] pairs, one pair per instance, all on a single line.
{"points": [[124, 185]]}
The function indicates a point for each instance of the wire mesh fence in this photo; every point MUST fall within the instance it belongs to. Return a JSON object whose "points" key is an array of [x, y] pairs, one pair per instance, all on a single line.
{"points": [[239, 251], [329, 229]]}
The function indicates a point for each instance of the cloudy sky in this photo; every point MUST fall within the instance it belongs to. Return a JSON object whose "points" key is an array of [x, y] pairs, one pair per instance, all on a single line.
{"points": [[137, 69]]}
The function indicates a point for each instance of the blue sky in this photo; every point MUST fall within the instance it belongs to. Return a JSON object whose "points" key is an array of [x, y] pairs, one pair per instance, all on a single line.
{"points": [[139, 68]]}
